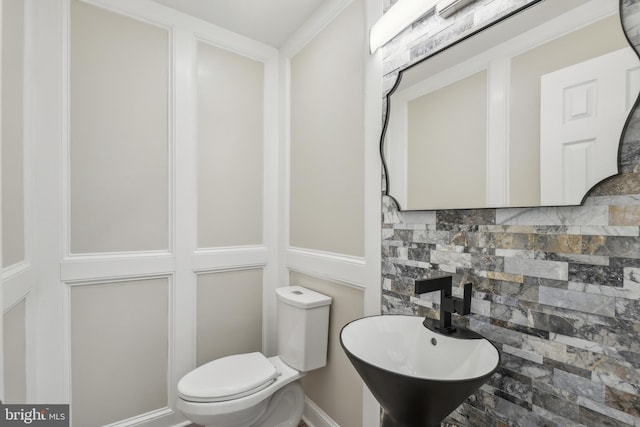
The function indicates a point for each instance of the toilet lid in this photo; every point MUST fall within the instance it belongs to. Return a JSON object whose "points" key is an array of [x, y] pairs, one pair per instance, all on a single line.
{"points": [[228, 378]]}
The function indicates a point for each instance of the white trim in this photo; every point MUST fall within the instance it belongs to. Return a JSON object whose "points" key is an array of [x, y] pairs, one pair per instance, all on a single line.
{"points": [[1, 234], [143, 419], [15, 270], [9, 307], [48, 48], [111, 280], [314, 416], [17, 287], [229, 258], [334, 267], [65, 128], [172, 347], [323, 16], [329, 277], [158, 14], [31, 346], [497, 163], [60, 270], [20, 282], [271, 193], [284, 199], [182, 312], [397, 150], [362, 273], [373, 196], [67, 370], [138, 15], [328, 256], [101, 256], [28, 278], [112, 268]]}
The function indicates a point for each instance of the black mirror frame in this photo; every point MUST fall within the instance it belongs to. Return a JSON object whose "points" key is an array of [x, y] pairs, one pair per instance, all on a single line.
{"points": [[387, 108]]}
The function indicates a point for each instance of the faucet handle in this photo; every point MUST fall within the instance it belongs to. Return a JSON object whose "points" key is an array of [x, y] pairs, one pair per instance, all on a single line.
{"points": [[466, 299], [463, 305]]}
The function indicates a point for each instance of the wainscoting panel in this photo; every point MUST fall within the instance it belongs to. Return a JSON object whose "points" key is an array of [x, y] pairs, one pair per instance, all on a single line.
{"points": [[336, 388], [327, 133], [119, 350], [230, 148], [15, 353], [229, 318], [119, 133], [13, 183]]}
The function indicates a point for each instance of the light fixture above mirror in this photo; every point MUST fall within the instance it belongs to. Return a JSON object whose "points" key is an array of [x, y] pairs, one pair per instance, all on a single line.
{"points": [[403, 13]]}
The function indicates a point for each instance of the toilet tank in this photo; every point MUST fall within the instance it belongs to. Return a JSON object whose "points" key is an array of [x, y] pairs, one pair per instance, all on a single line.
{"points": [[303, 327]]}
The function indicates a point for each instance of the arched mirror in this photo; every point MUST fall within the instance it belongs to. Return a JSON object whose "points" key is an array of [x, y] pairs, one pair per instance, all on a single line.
{"points": [[526, 112]]}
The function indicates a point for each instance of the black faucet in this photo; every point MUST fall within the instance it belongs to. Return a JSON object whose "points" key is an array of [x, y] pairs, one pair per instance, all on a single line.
{"points": [[448, 303]]}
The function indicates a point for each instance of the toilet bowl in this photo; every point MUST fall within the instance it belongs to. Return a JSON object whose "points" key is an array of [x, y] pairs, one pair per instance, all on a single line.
{"points": [[278, 401], [251, 390]]}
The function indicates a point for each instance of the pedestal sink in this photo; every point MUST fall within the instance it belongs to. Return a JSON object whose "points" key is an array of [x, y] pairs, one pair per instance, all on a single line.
{"points": [[418, 376]]}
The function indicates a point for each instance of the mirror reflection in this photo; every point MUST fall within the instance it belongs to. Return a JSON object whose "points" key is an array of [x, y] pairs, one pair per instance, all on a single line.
{"points": [[528, 112]]}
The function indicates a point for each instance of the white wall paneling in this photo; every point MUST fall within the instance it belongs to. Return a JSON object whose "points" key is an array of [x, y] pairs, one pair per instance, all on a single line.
{"points": [[59, 270], [1, 234], [18, 276], [360, 272], [264, 255], [353, 270], [114, 373], [229, 301], [230, 148], [183, 295], [14, 354], [119, 141], [13, 147]]}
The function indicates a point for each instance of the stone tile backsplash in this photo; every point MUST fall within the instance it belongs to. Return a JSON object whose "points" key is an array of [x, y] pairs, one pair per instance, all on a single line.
{"points": [[556, 288]]}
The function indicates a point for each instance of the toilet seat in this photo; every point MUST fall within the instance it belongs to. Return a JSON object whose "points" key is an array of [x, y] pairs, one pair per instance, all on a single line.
{"points": [[221, 409], [228, 378]]}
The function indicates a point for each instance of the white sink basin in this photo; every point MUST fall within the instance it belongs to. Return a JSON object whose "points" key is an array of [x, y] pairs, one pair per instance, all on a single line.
{"points": [[417, 375]]}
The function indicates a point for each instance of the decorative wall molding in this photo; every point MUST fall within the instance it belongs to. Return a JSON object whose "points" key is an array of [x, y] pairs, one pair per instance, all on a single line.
{"points": [[2, 303], [238, 257], [15, 270], [362, 273], [159, 417], [17, 288], [322, 17], [314, 416], [338, 268], [60, 270], [157, 14], [114, 268]]}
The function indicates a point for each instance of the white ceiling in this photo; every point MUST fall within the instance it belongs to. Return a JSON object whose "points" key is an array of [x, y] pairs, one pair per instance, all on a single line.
{"points": [[268, 21]]}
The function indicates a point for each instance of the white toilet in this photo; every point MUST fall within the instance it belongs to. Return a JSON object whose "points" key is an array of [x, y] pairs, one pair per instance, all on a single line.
{"points": [[251, 390]]}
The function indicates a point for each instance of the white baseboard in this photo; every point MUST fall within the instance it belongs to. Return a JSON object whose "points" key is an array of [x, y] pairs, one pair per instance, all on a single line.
{"points": [[313, 416], [161, 418]]}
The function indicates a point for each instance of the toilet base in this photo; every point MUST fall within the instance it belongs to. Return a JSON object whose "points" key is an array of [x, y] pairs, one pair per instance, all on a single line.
{"points": [[282, 409], [285, 407]]}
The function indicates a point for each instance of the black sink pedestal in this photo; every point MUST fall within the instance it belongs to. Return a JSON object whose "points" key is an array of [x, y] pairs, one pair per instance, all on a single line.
{"points": [[387, 421]]}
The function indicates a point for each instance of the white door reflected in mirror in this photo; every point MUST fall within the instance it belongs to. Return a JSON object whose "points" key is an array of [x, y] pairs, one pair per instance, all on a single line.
{"points": [[583, 108]]}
